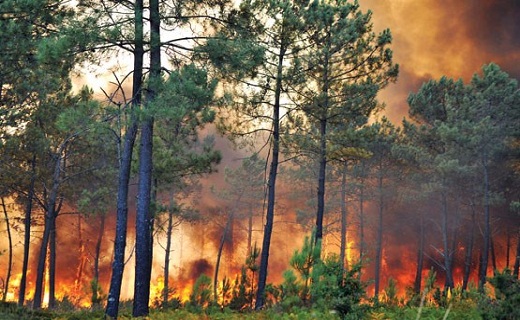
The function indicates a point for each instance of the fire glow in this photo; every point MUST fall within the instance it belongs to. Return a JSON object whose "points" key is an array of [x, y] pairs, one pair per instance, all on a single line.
{"points": [[195, 254]]}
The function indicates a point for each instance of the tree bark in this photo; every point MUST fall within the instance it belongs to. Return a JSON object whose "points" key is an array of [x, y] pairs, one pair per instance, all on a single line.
{"points": [[97, 256], [469, 251], [144, 219], [166, 274], [361, 224], [10, 251], [487, 226], [445, 243], [517, 258], [118, 263], [27, 233], [219, 255], [271, 185], [49, 234], [379, 239], [344, 238], [420, 257]]}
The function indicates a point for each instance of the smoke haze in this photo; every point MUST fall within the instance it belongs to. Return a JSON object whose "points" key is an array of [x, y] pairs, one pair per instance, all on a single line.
{"points": [[433, 38]]}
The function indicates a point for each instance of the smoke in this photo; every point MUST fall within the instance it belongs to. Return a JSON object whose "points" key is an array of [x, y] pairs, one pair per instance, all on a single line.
{"points": [[433, 38]]}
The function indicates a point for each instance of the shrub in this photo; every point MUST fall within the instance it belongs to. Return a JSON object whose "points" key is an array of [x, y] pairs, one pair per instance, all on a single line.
{"points": [[507, 298]]}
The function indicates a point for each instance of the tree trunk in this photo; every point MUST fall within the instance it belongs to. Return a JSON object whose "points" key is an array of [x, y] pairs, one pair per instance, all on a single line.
{"points": [[144, 225], [321, 183], [445, 243], [118, 263], [166, 274], [420, 257], [250, 230], [361, 225], [27, 233], [143, 254], [469, 251], [517, 258], [10, 251], [49, 233], [323, 147], [379, 239], [97, 255], [271, 185], [344, 239], [487, 227], [219, 255], [40, 270], [492, 252], [52, 263]]}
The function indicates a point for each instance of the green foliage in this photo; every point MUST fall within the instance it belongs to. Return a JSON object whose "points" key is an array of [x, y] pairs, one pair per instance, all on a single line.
{"points": [[507, 298], [336, 289], [200, 296]]}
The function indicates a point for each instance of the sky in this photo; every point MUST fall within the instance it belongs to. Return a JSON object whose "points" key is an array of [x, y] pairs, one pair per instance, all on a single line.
{"points": [[455, 38]]}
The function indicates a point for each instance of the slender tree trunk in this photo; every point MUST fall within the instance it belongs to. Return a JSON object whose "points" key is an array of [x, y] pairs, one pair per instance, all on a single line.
{"points": [[445, 243], [250, 230], [144, 225], [361, 225], [52, 263], [508, 247], [379, 240], [125, 165], [10, 251], [49, 234], [469, 251], [321, 183], [517, 258], [323, 148], [492, 252], [487, 227], [40, 270], [219, 255], [344, 239], [97, 256], [169, 233], [27, 233], [271, 185], [420, 256]]}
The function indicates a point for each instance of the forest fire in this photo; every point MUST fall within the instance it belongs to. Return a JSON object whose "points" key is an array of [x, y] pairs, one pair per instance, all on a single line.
{"points": [[195, 255]]}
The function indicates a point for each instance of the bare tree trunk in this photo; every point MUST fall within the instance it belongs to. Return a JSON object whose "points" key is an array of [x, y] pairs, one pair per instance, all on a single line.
{"points": [[508, 247], [492, 252], [27, 233], [487, 227], [166, 274], [445, 243], [97, 256], [469, 251], [219, 255], [517, 258], [344, 239], [49, 233], [52, 263], [379, 240], [361, 226], [420, 256], [118, 264], [271, 185], [250, 230], [144, 220], [10, 251], [40, 271]]}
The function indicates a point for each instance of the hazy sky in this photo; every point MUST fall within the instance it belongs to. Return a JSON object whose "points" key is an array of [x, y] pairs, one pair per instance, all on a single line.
{"points": [[445, 37]]}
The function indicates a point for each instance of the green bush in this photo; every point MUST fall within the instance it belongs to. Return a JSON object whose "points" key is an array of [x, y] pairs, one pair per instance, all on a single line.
{"points": [[506, 304]]}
